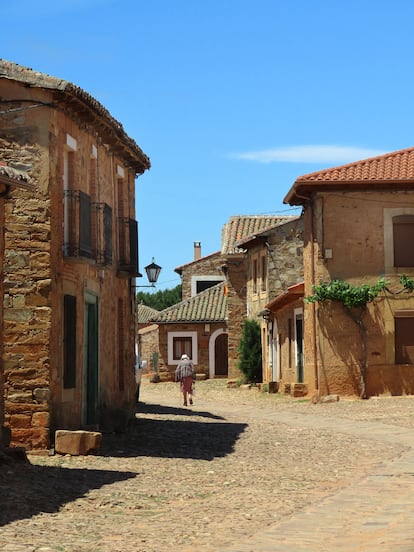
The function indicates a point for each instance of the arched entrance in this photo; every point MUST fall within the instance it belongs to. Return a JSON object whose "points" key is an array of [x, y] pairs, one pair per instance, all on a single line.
{"points": [[218, 354]]}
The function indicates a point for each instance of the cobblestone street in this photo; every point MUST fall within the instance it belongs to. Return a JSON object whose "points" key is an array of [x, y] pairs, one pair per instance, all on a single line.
{"points": [[240, 470]]}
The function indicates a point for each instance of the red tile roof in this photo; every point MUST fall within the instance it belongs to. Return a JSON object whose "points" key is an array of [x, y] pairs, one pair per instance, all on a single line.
{"points": [[111, 129], [291, 294], [381, 172], [240, 227], [208, 306], [179, 269]]}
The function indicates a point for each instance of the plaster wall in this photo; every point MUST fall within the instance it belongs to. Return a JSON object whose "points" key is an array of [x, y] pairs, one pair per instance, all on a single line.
{"points": [[347, 237]]}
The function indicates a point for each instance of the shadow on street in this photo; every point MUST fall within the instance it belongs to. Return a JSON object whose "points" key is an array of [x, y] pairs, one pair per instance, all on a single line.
{"points": [[148, 408], [173, 438], [27, 490]]}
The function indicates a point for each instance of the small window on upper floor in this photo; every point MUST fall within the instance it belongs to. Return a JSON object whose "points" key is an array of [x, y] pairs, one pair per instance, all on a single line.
{"points": [[254, 275], [263, 271], [403, 240]]}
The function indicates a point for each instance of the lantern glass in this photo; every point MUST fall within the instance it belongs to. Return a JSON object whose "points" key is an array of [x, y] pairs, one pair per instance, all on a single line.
{"points": [[153, 271]]}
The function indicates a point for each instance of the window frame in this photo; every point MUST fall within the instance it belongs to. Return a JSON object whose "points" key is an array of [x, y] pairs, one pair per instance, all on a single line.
{"points": [[400, 316], [186, 335], [389, 215]]}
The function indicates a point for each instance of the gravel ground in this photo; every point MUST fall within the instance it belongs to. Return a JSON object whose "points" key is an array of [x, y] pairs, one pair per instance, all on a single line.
{"points": [[197, 478]]}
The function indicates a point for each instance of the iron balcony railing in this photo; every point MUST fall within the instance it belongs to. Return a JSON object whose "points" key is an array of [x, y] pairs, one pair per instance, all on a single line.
{"points": [[87, 228]]}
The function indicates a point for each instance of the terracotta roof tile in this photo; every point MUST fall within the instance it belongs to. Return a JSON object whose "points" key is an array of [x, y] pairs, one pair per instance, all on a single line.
{"points": [[180, 268], [293, 293], [61, 87], [383, 171], [208, 306], [398, 165], [263, 233], [145, 314], [240, 227]]}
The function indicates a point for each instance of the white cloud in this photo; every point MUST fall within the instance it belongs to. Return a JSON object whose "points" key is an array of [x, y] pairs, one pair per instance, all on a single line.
{"points": [[309, 154]]}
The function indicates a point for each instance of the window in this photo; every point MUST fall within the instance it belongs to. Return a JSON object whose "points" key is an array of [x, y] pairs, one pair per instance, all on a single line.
{"points": [[78, 224], [263, 270], [69, 342], [201, 283], [254, 275], [103, 236], [128, 246], [404, 337], [403, 239], [180, 343], [68, 181], [181, 346], [398, 237]]}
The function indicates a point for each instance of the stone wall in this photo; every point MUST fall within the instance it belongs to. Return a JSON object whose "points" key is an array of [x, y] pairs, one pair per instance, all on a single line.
{"points": [[27, 301], [167, 370], [2, 439], [148, 346], [236, 307], [206, 266]]}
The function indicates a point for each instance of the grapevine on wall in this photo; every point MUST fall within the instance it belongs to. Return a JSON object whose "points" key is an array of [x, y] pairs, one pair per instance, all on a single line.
{"points": [[355, 299]]}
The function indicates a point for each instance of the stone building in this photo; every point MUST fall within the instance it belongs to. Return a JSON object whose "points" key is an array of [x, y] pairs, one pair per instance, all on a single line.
{"points": [[201, 273], [231, 266], [70, 259], [359, 227], [274, 263], [283, 358], [253, 269], [196, 327]]}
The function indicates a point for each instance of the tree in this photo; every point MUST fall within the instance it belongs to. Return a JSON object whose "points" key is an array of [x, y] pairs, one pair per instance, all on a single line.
{"points": [[250, 350], [161, 299], [354, 300]]}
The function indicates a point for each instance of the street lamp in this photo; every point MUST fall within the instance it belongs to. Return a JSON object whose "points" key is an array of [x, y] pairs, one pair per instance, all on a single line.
{"points": [[153, 271]]}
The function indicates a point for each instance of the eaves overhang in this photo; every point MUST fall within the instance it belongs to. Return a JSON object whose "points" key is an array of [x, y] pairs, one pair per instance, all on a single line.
{"points": [[302, 192], [292, 294]]}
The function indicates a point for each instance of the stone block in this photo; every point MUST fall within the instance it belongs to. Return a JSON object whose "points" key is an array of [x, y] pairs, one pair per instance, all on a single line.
{"points": [[34, 438], [77, 443], [41, 395], [20, 421], [329, 399], [41, 419]]}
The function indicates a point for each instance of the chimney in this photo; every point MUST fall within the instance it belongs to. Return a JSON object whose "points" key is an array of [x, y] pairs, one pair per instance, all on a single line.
{"points": [[197, 250]]}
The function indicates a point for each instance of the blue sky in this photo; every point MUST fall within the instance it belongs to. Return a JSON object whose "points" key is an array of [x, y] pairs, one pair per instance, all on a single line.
{"points": [[232, 100]]}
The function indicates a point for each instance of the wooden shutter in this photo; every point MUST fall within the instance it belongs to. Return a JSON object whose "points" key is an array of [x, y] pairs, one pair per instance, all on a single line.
{"points": [[404, 340], [403, 236]]}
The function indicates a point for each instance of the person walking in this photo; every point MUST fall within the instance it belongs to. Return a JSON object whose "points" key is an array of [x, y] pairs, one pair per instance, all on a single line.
{"points": [[185, 374]]}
